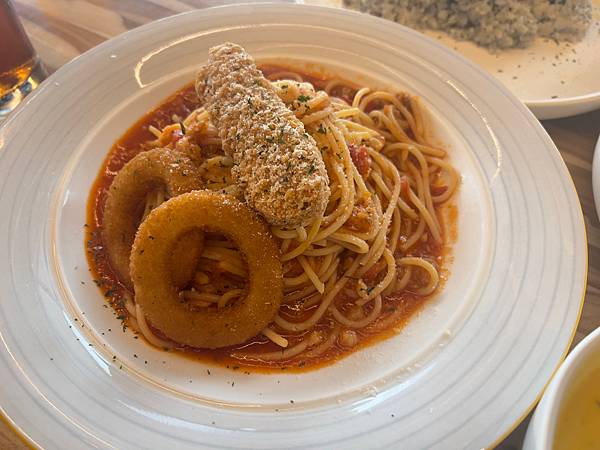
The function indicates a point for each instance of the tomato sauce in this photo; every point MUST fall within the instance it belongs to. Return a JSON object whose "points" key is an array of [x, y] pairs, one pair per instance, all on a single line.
{"points": [[397, 308]]}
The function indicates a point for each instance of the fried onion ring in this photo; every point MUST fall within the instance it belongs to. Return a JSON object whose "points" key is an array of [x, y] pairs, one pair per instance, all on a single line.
{"points": [[155, 293], [125, 202]]}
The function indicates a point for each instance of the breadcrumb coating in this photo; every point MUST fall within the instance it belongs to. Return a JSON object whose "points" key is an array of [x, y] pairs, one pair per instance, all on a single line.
{"points": [[277, 164], [141, 175], [151, 267]]}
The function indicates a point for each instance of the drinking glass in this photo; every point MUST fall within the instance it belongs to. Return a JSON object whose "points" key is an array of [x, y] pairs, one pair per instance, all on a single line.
{"points": [[20, 68]]}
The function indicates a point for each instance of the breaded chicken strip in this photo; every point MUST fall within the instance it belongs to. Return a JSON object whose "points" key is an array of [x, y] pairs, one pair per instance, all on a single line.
{"points": [[277, 164]]}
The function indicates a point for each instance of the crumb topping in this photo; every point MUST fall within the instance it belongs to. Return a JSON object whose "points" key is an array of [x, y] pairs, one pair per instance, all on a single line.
{"points": [[277, 164]]}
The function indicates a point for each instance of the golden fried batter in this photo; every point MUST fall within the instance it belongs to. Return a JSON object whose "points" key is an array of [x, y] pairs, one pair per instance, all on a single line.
{"points": [[277, 164], [147, 171], [155, 292]]}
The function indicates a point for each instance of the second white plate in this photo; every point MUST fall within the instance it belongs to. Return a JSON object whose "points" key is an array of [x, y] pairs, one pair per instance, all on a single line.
{"points": [[553, 80]]}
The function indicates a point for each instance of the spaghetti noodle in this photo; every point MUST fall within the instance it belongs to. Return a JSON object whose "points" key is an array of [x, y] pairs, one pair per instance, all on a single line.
{"points": [[380, 236]]}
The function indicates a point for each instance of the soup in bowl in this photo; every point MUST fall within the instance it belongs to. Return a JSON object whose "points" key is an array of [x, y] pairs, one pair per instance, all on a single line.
{"points": [[568, 417]]}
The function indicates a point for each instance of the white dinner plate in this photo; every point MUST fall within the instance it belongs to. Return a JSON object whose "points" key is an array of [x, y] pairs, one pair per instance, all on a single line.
{"points": [[553, 79], [462, 374]]}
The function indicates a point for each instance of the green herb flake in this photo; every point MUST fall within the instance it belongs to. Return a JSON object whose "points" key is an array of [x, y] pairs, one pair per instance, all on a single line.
{"points": [[303, 98]]}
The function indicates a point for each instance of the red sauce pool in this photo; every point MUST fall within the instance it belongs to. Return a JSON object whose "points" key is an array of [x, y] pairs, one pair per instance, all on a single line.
{"points": [[397, 307]]}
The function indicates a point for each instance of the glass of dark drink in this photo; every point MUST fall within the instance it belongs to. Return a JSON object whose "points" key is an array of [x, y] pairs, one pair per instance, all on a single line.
{"points": [[20, 68]]}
